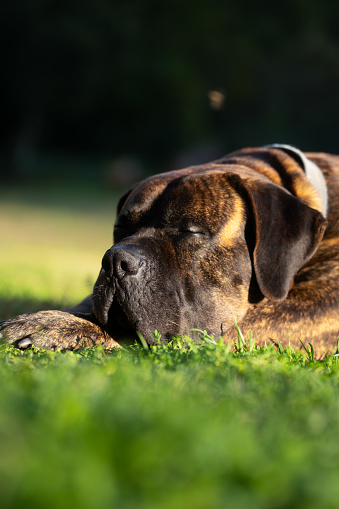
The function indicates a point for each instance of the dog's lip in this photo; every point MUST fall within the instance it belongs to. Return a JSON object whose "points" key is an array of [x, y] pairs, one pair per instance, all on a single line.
{"points": [[101, 307], [119, 318], [109, 311], [101, 314]]}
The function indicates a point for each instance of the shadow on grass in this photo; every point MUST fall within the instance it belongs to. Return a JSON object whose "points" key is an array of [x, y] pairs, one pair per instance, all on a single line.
{"points": [[20, 305]]}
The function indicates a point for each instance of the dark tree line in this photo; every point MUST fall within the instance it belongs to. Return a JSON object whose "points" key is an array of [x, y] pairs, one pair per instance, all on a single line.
{"points": [[135, 77]]}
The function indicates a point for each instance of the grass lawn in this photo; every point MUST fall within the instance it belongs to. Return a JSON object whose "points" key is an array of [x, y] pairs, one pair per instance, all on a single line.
{"points": [[53, 238], [176, 426]]}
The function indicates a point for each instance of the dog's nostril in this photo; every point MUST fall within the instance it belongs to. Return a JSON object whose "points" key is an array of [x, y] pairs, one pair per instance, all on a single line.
{"points": [[107, 263], [126, 262], [126, 267]]}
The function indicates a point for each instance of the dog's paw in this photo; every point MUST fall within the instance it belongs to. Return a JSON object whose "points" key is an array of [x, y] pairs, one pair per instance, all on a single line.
{"points": [[52, 330]]}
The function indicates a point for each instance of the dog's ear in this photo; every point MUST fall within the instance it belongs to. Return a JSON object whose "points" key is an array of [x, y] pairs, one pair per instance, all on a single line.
{"points": [[287, 233]]}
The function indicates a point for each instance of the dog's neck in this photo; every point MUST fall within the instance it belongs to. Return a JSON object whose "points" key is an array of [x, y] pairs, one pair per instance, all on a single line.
{"points": [[312, 172]]}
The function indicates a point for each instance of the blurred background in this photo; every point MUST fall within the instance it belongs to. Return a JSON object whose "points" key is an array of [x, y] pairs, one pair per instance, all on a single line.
{"points": [[97, 94], [131, 87]]}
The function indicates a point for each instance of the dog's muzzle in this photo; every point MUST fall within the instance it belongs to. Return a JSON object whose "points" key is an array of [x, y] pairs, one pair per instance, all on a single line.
{"points": [[122, 272]]}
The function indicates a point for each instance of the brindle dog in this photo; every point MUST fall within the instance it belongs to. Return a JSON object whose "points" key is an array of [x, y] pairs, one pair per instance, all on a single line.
{"points": [[253, 236]]}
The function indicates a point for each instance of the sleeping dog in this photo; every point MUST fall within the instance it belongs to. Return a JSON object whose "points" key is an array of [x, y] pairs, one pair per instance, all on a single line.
{"points": [[252, 236]]}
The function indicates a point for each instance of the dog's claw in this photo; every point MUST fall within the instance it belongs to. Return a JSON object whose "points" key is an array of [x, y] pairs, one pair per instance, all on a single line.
{"points": [[25, 343]]}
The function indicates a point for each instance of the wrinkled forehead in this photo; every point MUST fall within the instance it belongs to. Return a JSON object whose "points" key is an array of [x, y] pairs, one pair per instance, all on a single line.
{"points": [[202, 194]]}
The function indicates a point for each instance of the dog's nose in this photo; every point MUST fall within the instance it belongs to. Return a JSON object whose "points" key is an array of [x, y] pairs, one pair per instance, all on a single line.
{"points": [[121, 262]]}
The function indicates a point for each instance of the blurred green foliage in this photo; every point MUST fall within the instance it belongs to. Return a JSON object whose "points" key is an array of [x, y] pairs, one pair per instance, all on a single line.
{"points": [[134, 77], [177, 426]]}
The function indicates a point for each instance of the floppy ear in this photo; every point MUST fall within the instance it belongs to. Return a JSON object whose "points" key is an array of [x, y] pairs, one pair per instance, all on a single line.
{"points": [[287, 234]]}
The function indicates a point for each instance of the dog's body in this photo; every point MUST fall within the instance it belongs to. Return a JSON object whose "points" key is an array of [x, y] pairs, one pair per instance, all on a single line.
{"points": [[240, 238]]}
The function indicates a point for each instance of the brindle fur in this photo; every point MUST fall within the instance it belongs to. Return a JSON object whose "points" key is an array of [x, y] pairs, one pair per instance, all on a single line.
{"points": [[310, 311], [56, 329], [206, 281]]}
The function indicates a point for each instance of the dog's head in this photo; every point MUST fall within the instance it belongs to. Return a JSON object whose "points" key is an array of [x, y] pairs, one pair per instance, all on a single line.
{"points": [[195, 248]]}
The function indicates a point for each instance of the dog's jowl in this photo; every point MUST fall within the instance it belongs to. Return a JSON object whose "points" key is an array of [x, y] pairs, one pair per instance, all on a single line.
{"points": [[252, 236]]}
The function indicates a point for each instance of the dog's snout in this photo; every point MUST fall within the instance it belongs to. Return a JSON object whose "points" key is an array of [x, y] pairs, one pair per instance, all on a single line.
{"points": [[120, 262]]}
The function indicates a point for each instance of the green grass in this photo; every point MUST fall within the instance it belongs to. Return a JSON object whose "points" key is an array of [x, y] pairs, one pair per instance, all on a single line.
{"points": [[176, 426]]}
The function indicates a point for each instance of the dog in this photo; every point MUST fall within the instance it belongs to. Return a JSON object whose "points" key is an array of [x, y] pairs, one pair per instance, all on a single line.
{"points": [[252, 237]]}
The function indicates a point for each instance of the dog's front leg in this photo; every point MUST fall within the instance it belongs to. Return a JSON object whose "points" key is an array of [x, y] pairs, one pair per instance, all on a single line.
{"points": [[54, 329]]}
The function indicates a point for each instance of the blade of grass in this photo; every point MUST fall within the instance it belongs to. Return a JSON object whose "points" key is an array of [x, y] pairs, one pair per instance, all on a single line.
{"points": [[143, 341]]}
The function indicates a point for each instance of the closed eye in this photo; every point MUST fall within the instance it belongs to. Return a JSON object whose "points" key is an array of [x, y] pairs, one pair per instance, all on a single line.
{"points": [[194, 231]]}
